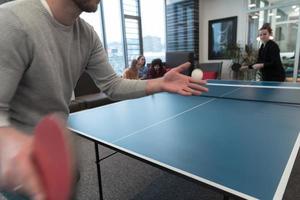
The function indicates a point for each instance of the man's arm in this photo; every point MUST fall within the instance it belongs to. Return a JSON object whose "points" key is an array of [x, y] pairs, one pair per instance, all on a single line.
{"points": [[117, 88], [106, 79], [175, 82], [16, 166], [14, 59]]}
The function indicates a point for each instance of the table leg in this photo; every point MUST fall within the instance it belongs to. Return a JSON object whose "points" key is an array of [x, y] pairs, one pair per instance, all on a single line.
{"points": [[98, 171]]}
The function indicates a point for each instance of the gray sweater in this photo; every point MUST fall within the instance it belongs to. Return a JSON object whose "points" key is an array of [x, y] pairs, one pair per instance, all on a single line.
{"points": [[41, 61]]}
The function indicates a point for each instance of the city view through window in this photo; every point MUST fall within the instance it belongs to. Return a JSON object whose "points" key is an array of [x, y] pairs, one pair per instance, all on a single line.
{"points": [[153, 31]]}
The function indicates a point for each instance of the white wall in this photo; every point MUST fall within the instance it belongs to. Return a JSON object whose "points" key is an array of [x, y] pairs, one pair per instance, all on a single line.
{"points": [[217, 9]]}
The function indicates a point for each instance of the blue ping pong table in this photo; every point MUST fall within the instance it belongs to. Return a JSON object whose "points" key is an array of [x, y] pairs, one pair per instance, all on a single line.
{"points": [[241, 138]]}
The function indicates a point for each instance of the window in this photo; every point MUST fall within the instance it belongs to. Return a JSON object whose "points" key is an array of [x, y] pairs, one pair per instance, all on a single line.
{"points": [[94, 19], [114, 34], [132, 23], [183, 25], [256, 4], [153, 27], [132, 38], [129, 28]]}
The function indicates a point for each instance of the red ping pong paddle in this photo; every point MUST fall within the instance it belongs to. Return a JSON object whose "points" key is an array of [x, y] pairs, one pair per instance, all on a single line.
{"points": [[53, 158]]}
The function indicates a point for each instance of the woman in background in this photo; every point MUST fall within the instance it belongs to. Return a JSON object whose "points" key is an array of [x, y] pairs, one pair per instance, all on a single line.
{"points": [[268, 61], [137, 69], [156, 69], [132, 72], [141, 61]]}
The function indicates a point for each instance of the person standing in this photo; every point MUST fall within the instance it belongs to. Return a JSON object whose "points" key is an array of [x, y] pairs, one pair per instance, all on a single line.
{"points": [[269, 61]]}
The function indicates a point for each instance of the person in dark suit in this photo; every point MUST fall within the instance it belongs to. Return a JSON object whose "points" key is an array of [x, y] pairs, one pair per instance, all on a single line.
{"points": [[268, 61]]}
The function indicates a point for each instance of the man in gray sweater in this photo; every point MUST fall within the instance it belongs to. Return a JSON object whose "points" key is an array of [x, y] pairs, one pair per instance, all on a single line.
{"points": [[44, 48]]}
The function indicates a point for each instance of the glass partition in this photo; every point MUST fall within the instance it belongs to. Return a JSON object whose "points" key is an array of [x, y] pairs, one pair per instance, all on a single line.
{"points": [[284, 22], [256, 4]]}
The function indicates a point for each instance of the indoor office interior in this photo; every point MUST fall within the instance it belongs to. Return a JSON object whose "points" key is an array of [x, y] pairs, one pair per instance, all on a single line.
{"points": [[177, 31], [186, 26], [214, 36]]}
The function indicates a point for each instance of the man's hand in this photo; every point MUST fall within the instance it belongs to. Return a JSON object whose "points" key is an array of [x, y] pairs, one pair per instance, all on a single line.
{"points": [[175, 82], [17, 170]]}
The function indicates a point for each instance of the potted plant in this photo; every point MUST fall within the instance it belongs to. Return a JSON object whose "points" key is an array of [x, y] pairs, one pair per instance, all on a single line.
{"points": [[241, 57]]}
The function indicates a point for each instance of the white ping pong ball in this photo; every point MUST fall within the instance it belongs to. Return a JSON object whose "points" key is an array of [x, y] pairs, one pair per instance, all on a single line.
{"points": [[197, 74]]}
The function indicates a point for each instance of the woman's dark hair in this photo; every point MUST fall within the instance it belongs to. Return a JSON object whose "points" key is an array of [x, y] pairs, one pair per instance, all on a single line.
{"points": [[157, 61], [154, 72], [267, 26]]}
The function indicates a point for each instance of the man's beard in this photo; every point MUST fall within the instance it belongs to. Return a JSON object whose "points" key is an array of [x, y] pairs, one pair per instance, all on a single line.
{"points": [[85, 5]]}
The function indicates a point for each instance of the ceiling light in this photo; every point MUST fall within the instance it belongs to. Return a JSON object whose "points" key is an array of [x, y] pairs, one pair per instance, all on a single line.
{"points": [[278, 17], [294, 6], [252, 5], [254, 17]]}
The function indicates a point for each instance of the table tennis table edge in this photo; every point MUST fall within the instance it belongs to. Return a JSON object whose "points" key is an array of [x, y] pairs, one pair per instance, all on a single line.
{"points": [[254, 86], [165, 166], [287, 171]]}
